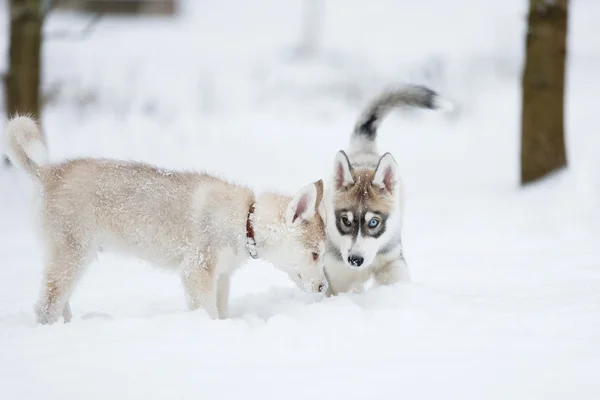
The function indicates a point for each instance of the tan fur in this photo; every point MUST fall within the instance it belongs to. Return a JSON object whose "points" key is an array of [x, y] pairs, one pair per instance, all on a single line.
{"points": [[320, 187], [187, 221], [364, 192]]}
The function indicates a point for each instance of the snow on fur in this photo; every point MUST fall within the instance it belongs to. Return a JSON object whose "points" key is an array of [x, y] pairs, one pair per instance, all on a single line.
{"points": [[506, 292]]}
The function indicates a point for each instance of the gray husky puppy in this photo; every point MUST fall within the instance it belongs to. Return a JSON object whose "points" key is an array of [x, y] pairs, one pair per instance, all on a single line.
{"points": [[365, 198]]}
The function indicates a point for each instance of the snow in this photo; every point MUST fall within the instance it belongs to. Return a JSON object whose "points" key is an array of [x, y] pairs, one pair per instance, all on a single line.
{"points": [[505, 301]]}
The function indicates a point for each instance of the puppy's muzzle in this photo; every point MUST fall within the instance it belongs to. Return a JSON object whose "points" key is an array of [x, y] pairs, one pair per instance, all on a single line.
{"points": [[322, 287], [356, 261]]}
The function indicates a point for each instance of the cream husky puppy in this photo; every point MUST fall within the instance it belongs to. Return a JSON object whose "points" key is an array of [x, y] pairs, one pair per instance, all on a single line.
{"points": [[364, 201], [192, 222]]}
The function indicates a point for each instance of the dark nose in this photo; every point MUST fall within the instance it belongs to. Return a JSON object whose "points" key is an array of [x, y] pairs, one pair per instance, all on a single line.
{"points": [[355, 260], [322, 288]]}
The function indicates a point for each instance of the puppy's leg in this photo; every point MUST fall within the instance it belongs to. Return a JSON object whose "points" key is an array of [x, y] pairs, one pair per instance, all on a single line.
{"points": [[344, 286], [330, 292], [342, 280], [223, 296], [67, 315], [200, 284], [393, 272], [66, 262]]}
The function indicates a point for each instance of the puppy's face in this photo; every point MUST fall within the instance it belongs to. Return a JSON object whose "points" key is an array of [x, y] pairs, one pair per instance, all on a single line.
{"points": [[363, 200], [301, 255]]}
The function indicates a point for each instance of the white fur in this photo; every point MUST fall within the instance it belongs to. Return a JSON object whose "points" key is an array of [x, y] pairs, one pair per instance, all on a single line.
{"points": [[302, 206], [25, 144], [36, 151], [189, 222]]}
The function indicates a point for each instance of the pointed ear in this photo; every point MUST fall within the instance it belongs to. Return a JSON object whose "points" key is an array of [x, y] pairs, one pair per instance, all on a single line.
{"points": [[342, 174], [319, 187], [303, 205], [386, 173]]}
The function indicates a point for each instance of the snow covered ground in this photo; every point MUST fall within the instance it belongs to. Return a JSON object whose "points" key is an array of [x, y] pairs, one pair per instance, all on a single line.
{"points": [[505, 302]]}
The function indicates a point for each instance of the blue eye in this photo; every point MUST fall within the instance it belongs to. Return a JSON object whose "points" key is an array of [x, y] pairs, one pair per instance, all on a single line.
{"points": [[373, 223]]}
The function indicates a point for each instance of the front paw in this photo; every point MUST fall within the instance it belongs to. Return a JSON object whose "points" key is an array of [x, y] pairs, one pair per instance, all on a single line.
{"points": [[394, 272], [46, 314]]}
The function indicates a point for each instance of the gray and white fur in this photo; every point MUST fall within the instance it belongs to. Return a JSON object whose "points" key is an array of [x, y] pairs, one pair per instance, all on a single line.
{"points": [[365, 198]]}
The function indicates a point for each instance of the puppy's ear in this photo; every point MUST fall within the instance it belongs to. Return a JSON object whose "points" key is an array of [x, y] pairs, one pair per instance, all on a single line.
{"points": [[303, 206], [342, 173], [386, 173], [319, 187]]}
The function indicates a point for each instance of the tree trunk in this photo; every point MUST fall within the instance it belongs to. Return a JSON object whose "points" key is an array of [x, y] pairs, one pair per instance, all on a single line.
{"points": [[22, 81], [542, 120]]}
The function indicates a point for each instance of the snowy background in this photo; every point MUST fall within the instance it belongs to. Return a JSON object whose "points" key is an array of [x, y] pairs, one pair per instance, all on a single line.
{"points": [[505, 302]]}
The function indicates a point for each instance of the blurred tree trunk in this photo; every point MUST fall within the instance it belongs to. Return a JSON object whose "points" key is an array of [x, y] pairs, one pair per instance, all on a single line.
{"points": [[22, 85], [542, 120]]}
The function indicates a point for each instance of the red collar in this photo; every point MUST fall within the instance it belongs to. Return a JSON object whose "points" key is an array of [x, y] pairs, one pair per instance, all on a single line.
{"points": [[250, 241]]}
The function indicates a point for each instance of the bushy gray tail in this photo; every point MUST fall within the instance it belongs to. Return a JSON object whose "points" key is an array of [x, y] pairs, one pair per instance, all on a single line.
{"points": [[26, 145], [365, 130]]}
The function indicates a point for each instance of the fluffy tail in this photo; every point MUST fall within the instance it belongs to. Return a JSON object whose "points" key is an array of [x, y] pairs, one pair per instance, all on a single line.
{"points": [[365, 130], [25, 144]]}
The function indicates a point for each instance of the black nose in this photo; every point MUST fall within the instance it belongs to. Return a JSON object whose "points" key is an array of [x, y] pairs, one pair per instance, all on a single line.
{"points": [[356, 260], [321, 288]]}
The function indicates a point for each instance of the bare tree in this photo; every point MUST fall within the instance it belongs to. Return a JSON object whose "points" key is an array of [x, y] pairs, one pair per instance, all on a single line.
{"points": [[22, 81], [542, 121]]}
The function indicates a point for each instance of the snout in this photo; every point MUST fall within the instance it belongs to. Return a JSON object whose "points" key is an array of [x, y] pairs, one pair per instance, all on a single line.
{"points": [[322, 287], [317, 286], [355, 260]]}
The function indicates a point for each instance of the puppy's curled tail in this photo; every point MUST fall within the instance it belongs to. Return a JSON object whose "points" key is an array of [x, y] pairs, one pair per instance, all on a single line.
{"points": [[26, 145], [365, 130]]}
